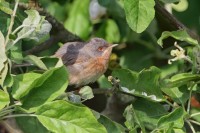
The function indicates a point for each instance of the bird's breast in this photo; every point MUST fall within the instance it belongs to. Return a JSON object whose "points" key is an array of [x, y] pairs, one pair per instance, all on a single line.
{"points": [[87, 72]]}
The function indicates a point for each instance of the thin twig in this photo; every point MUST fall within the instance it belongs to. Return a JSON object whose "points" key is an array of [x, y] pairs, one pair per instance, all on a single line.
{"points": [[195, 114], [9, 107], [190, 95], [195, 122], [11, 21], [5, 112], [191, 127], [22, 65], [169, 103], [17, 115]]}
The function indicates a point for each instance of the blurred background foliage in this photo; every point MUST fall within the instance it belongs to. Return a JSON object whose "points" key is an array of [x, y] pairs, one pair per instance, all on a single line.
{"points": [[136, 51]]}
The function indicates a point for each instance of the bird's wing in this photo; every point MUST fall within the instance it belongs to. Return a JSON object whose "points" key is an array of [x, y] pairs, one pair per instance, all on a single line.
{"points": [[72, 52]]}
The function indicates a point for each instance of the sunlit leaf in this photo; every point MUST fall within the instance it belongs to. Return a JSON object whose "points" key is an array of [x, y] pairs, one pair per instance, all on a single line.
{"points": [[23, 83], [86, 93], [41, 33], [34, 27], [144, 113], [180, 35], [79, 13], [48, 87], [4, 6], [4, 99], [3, 60], [65, 117], [139, 13], [176, 118], [35, 89], [16, 53], [179, 94], [180, 79], [144, 84], [110, 31], [36, 61]]}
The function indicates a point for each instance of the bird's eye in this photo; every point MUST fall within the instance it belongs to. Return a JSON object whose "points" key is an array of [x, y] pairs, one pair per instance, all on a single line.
{"points": [[100, 48]]}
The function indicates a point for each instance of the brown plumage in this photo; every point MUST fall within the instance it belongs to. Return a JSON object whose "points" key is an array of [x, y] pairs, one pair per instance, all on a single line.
{"points": [[85, 61]]}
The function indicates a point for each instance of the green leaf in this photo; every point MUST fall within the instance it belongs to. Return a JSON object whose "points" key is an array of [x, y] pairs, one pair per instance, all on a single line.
{"points": [[127, 78], [180, 35], [195, 111], [36, 61], [194, 54], [111, 127], [8, 82], [52, 62], [175, 118], [131, 122], [3, 57], [48, 87], [177, 130], [144, 113], [4, 23], [144, 84], [32, 19], [3, 73], [139, 13], [35, 89], [78, 13], [16, 53], [115, 9], [103, 82], [4, 6], [86, 93], [180, 79], [109, 30], [179, 94], [148, 81], [29, 24], [42, 31], [26, 124], [4, 99], [34, 27], [23, 83], [65, 117], [3, 60]]}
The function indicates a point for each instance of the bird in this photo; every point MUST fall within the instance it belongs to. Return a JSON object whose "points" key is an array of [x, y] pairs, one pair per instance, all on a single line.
{"points": [[85, 61]]}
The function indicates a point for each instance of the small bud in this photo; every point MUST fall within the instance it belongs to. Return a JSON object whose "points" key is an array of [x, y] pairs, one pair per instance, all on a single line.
{"points": [[110, 78]]}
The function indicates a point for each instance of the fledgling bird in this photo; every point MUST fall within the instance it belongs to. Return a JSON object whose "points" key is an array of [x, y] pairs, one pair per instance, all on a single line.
{"points": [[85, 61]]}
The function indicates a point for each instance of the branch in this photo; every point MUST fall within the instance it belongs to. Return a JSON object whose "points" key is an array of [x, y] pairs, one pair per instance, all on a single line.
{"points": [[168, 22], [11, 21], [58, 32]]}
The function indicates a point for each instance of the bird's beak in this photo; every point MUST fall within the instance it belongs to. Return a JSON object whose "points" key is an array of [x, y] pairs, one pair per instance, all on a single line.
{"points": [[114, 45], [109, 49]]}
